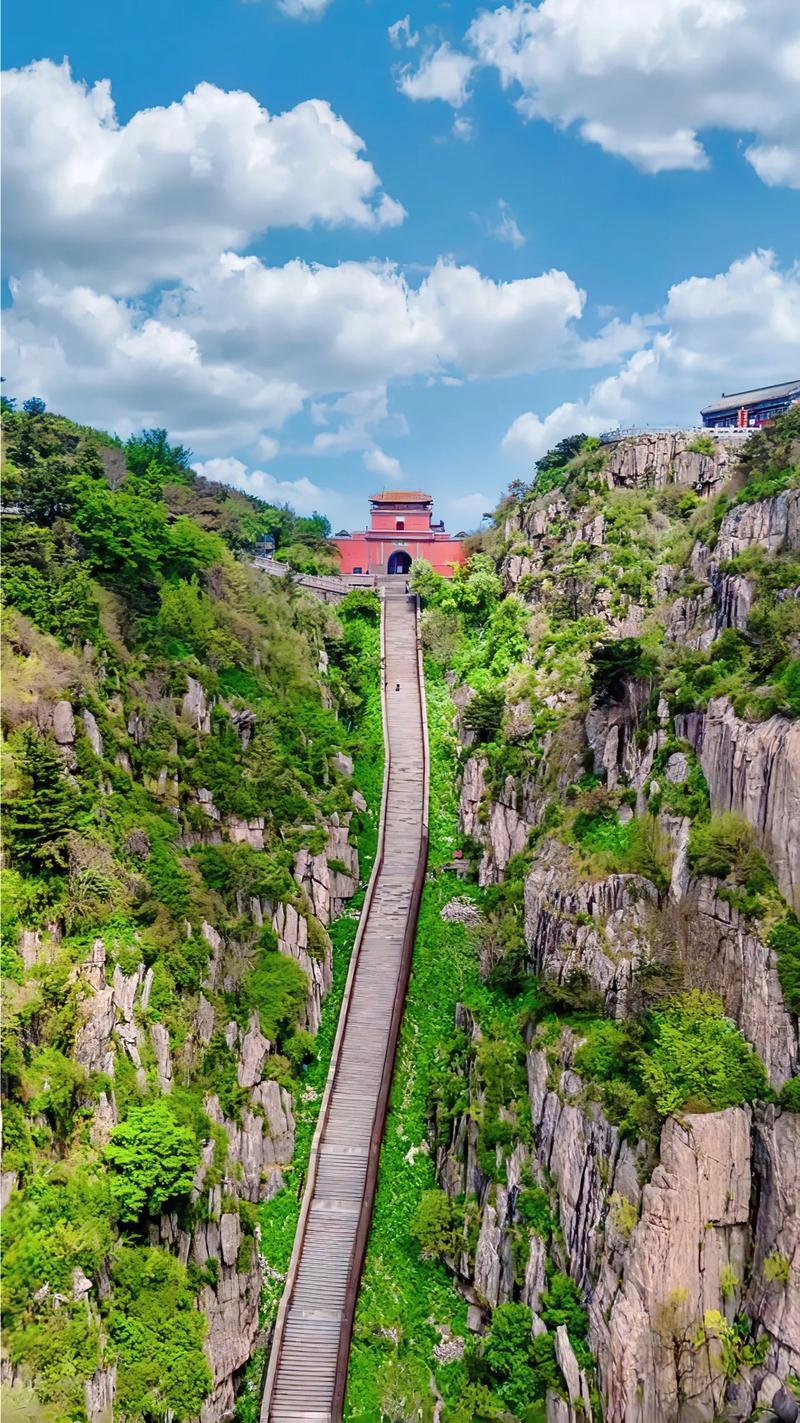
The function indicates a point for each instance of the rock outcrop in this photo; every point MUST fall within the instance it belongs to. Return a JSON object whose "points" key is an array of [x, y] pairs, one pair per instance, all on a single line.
{"points": [[753, 768]]}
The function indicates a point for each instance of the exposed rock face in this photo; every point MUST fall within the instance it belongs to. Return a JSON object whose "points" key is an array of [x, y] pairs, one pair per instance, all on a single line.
{"points": [[773, 524], [694, 1224], [724, 602], [500, 825], [92, 732], [605, 928], [753, 769], [328, 888], [776, 1180], [63, 724], [653, 461], [292, 930], [260, 1144], [650, 1258], [195, 706]]}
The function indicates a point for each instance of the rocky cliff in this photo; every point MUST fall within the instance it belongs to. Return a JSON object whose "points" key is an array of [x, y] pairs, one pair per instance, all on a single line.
{"points": [[640, 780]]}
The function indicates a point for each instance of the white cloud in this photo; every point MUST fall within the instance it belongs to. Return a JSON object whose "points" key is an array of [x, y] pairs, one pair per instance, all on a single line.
{"points": [[128, 205], [303, 9], [378, 462], [231, 358], [304, 496], [507, 229], [462, 128], [732, 331], [267, 447], [400, 33], [357, 325], [644, 80], [354, 416], [443, 73], [111, 362]]}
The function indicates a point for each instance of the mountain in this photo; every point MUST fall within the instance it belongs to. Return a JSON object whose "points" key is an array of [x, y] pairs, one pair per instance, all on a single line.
{"points": [[588, 1196]]}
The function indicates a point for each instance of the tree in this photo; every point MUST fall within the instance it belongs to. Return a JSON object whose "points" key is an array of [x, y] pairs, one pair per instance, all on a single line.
{"points": [[34, 406], [150, 456], [43, 810], [153, 1160], [560, 454], [484, 713]]}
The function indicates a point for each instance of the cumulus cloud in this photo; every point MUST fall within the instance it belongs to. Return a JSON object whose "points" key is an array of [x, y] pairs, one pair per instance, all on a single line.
{"points": [[114, 364], [737, 329], [378, 462], [304, 496], [443, 73], [357, 325], [507, 228], [462, 128], [233, 356], [645, 80], [128, 205]]}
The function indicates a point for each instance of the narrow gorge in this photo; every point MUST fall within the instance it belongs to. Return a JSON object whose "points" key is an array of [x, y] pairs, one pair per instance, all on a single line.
{"points": [[587, 1203]]}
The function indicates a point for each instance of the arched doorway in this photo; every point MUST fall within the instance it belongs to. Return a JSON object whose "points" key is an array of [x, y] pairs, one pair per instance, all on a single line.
{"points": [[399, 562]]}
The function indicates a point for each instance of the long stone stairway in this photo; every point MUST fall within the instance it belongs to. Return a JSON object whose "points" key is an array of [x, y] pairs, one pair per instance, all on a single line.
{"points": [[308, 1363]]}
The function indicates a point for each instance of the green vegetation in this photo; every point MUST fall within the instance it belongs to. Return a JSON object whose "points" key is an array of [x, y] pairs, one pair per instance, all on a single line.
{"points": [[153, 1160], [159, 693], [697, 1061]]}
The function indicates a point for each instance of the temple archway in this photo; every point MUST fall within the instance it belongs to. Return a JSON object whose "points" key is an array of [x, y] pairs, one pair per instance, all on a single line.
{"points": [[399, 562]]}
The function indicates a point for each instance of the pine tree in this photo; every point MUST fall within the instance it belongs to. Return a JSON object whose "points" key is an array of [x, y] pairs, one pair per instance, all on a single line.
{"points": [[40, 814]]}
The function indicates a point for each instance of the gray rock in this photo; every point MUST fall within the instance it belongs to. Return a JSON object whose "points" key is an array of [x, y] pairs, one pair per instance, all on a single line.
{"points": [[100, 1390], [93, 732], [342, 763], [677, 768], [753, 768], [230, 1236], [63, 724], [253, 1053], [160, 1040], [195, 707], [568, 1364]]}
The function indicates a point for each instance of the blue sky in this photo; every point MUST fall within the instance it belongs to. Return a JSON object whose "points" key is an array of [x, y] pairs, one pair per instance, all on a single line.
{"points": [[627, 174]]}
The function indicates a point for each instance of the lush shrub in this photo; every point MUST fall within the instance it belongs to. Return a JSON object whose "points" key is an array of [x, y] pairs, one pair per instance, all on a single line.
{"points": [[790, 1096], [561, 1304], [56, 1087], [153, 1160], [614, 663], [156, 1335], [484, 713], [277, 987], [785, 942], [434, 1226], [718, 845], [696, 1059], [533, 1208]]}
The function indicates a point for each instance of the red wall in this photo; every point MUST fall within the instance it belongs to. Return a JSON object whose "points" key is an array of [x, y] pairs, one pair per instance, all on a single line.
{"points": [[412, 523], [371, 552]]}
